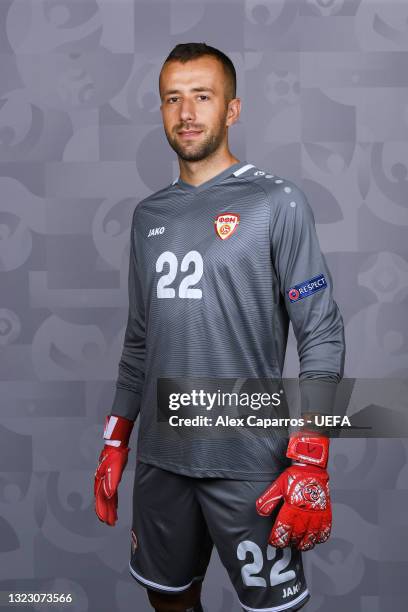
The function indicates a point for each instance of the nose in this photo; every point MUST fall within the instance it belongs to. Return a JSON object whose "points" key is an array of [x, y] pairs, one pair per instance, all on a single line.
{"points": [[187, 111]]}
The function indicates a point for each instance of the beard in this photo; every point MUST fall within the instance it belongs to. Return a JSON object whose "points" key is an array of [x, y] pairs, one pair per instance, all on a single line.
{"points": [[197, 151]]}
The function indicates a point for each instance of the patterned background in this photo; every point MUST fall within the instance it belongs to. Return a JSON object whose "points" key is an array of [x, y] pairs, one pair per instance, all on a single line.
{"points": [[324, 85]]}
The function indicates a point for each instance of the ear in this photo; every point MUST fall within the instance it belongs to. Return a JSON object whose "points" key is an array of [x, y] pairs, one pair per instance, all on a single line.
{"points": [[234, 111]]}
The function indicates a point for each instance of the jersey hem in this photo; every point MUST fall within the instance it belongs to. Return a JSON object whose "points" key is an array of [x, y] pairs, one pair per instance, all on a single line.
{"points": [[206, 473]]}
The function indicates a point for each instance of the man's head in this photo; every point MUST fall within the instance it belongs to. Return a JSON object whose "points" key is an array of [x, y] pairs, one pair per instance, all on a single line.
{"points": [[198, 92]]}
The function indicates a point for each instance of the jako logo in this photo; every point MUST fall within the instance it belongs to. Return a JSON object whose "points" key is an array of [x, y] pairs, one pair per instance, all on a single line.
{"points": [[155, 231]]}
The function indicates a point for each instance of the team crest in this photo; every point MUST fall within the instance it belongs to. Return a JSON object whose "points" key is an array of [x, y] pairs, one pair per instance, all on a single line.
{"points": [[226, 224]]}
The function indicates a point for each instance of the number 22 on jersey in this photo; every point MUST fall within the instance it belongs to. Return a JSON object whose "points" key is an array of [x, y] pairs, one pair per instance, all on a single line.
{"points": [[186, 287]]}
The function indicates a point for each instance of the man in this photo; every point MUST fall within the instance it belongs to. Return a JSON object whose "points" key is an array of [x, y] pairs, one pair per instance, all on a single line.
{"points": [[220, 261]]}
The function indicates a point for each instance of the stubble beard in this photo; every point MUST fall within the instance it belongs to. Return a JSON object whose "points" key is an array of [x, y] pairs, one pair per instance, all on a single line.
{"points": [[191, 151]]}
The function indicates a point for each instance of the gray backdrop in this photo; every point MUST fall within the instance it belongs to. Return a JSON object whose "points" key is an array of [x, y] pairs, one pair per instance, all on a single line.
{"points": [[324, 85]]}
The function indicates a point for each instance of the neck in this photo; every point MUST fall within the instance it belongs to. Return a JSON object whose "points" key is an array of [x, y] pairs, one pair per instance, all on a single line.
{"points": [[201, 171]]}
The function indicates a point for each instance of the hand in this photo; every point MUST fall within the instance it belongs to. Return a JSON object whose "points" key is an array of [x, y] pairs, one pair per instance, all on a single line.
{"points": [[112, 462], [305, 518]]}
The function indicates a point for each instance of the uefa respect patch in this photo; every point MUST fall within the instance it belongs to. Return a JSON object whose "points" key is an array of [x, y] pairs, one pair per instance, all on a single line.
{"points": [[306, 288]]}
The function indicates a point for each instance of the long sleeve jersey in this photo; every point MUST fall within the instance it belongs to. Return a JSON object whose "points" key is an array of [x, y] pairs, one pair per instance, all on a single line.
{"points": [[216, 274]]}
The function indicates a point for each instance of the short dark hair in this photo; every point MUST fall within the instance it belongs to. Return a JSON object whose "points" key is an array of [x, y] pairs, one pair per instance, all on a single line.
{"points": [[184, 52]]}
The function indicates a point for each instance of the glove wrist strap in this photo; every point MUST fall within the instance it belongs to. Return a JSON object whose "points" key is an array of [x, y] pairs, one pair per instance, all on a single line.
{"points": [[308, 448], [117, 431]]}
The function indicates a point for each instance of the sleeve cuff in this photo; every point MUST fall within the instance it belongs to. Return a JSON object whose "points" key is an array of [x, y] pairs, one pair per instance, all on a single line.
{"points": [[317, 395], [127, 403]]}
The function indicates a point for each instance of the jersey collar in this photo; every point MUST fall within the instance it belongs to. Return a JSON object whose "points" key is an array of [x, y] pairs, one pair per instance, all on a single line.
{"points": [[237, 169]]}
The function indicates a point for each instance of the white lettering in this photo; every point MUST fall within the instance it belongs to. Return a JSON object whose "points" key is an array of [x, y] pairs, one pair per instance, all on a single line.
{"points": [[325, 420], [155, 231]]}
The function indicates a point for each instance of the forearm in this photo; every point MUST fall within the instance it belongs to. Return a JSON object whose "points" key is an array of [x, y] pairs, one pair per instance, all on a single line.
{"points": [[127, 402], [131, 370], [317, 398]]}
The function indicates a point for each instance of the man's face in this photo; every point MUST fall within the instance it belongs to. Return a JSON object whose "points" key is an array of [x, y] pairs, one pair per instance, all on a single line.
{"points": [[194, 107]]}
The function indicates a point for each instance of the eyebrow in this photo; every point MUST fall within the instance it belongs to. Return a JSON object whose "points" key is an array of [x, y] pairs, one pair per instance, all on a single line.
{"points": [[175, 91]]}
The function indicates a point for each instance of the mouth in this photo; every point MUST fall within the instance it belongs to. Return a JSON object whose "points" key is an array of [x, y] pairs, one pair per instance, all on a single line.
{"points": [[188, 134]]}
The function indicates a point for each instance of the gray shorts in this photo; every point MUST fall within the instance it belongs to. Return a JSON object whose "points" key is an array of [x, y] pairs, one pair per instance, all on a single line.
{"points": [[178, 519]]}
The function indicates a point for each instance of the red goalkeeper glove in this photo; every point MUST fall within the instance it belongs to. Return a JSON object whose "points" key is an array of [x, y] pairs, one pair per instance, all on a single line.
{"points": [[112, 462], [305, 518]]}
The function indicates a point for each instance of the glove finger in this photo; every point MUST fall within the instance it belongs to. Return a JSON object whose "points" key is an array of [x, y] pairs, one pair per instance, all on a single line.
{"points": [[107, 509], [324, 528], [307, 542], [99, 472], [101, 507], [112, 505], [301, 528], [312, 532], [298, 521], [106, 483], [270, 498], [281, 533], [114, 474], [111, 480]]}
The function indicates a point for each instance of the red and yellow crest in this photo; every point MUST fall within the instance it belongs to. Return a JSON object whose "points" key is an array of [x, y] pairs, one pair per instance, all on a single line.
{"points": [[225, 224]]}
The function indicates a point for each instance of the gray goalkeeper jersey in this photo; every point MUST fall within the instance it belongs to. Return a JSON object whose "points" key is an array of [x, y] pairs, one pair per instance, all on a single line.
{"points": [[216, 274]]}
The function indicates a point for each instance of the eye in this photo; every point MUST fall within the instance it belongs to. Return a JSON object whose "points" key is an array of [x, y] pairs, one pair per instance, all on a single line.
{"points": [[172, 99], [204, 96]]}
